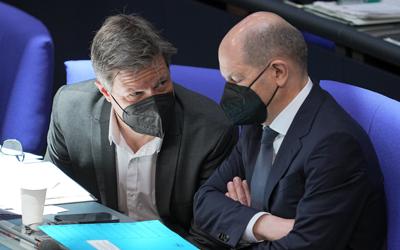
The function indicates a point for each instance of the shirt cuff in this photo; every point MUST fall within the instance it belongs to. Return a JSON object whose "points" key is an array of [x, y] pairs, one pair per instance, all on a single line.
{"points": [[248, 235]]}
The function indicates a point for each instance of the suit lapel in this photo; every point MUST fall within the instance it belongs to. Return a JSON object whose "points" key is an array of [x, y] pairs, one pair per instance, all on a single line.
{"points": [[167, 160], [291, 144], [104, 155]]}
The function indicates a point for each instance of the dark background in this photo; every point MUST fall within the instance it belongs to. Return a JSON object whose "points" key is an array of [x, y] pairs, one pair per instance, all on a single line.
{"points": [[195, 28]]}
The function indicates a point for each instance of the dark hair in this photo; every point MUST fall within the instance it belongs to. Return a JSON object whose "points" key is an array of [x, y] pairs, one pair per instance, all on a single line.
{"points": [[275, 40], [126, 42]]}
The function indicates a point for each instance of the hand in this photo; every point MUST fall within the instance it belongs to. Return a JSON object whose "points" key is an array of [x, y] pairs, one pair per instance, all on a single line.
{"points": [[270, 227], [238, 190]]}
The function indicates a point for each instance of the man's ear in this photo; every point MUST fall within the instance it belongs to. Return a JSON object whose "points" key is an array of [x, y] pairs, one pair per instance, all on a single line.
{"points": [[103, 90], [281, 72]]}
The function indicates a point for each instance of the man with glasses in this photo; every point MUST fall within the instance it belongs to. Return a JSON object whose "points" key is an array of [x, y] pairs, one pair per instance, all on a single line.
{"points": [[303, 174], [138, 142]]}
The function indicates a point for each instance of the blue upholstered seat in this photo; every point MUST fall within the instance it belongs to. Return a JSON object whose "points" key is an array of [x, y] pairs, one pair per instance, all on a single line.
{"points": [[380, 118], [26, 78], [206, 81]]}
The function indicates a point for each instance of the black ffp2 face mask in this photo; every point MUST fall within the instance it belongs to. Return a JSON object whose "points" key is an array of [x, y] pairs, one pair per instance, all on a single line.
{"points": [[242, 105], [150, 115]]}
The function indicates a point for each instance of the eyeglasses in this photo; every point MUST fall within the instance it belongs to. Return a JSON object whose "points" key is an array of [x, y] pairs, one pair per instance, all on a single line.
{"points": [[13, 147]]}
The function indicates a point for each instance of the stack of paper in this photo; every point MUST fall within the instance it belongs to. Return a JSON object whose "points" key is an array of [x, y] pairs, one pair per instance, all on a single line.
{"points": [[60, 188], [113, 236], [386, 11]]}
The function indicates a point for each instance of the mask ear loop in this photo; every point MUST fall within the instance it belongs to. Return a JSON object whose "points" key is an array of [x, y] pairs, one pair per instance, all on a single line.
{"points": [[123, 110], [112, 81], [255, 80], [273, 95], [259, 75]]}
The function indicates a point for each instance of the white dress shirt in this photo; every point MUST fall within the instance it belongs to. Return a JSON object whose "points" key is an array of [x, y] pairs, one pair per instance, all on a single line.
{"points": [[135, 174], [280, 124]]}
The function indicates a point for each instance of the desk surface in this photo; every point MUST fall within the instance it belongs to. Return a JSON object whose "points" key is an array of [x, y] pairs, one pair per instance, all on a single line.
{"points": [[82, 207], [90, 207], [358, 39]]}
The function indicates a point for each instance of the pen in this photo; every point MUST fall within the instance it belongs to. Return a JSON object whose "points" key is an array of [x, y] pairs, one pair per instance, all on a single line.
{"points": [[58, 183], [16, 235], [9, 235]]}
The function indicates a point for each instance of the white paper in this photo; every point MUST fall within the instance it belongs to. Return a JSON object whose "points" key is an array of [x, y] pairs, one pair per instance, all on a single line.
{"points": [[359, 14], [49, 209], [60, 188], [380, 10], [102, 245]]}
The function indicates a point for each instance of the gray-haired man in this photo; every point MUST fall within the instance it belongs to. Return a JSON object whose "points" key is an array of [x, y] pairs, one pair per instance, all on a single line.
{"points": [[135, 140]]}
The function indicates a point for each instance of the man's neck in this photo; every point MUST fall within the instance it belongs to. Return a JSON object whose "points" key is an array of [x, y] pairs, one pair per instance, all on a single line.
{"points": [[134, 140], [289, 93]]}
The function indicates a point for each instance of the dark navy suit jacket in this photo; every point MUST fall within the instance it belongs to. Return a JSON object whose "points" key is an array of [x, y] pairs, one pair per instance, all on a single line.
{"points": [[325, 176]]}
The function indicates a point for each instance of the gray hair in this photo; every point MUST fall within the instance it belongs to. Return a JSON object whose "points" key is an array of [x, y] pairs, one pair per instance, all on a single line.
{"points": [[281, 40], [126, 42]]}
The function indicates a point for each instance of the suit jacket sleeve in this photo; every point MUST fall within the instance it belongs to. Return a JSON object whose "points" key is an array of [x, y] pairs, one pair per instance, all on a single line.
{"points": [[216, 215], [56, 151], [221, 151], [334, 189]]}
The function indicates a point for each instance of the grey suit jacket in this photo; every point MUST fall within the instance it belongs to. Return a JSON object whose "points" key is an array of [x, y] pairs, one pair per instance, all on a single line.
{"points": [[197, 139]]}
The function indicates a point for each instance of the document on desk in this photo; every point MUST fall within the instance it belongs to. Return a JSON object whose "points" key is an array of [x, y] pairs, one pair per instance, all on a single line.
{"points": [[60, 187], [128, 235], [386, 11]]}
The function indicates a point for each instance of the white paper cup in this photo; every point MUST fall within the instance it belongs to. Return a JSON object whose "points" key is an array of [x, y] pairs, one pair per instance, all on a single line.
{"points": [[32, 205]]}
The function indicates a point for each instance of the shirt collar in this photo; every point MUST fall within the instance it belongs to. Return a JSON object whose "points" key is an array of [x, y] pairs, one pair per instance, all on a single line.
{"points": [[285, 118], [114, 134]]}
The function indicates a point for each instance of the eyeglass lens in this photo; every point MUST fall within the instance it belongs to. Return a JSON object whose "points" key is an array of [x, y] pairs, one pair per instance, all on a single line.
{"points": [[13, 147]]}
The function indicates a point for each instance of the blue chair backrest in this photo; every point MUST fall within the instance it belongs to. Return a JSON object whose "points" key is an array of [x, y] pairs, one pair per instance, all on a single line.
{"points": [[26, 78], [205, 81], [380, 118]]}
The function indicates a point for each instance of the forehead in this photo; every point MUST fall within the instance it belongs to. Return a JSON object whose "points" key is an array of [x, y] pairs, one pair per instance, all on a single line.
{"points": [[231, 64], [140, 78]]}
